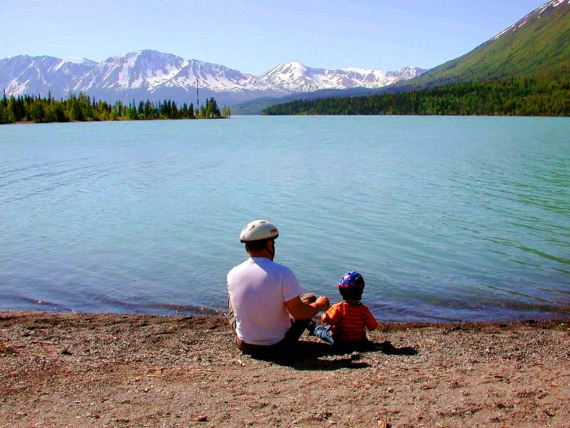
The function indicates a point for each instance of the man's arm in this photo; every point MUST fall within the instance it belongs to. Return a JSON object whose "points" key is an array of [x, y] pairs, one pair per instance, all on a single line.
{"points": [[304, 311]]}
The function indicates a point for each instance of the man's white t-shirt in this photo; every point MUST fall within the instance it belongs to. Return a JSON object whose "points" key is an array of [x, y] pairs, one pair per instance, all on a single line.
{"points": [[258, 290]]}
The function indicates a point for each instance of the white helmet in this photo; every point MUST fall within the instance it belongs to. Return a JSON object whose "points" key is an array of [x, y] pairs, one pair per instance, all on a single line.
{"points": [[258, 230]]}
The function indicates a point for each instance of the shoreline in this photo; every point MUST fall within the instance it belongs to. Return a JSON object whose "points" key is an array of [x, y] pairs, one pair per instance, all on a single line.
{"points": [[220, 316], [150, 370], [31, 122], [173, 310]]}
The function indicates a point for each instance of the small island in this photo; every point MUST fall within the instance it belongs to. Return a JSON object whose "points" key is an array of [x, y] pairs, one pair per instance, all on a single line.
{"points": [[83, 108]]}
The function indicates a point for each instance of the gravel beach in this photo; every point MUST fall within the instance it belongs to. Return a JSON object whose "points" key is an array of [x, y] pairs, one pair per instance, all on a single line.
{"points": [[143, 370]]}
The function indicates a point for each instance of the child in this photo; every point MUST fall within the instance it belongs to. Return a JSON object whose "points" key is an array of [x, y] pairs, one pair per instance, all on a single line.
{"points": [[345, 323]]}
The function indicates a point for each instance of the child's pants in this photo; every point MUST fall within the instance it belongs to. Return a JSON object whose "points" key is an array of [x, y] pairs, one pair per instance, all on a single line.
{"points": [[323, 331]]}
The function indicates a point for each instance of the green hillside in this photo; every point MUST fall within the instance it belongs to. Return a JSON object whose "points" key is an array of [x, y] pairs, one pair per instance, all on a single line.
{"points": [[523, 71], [508, 97], [536, 46]]}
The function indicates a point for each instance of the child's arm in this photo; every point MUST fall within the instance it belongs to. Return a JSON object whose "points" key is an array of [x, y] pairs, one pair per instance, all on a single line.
{"points": [[331, 316], [371, 322]]}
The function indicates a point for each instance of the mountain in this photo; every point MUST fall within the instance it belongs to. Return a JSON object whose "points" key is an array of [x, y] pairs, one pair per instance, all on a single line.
{"points": [[535, 46], [39, 75], [295, 77], [524, 70], [140, 75], [338, 83], [154, 75]]}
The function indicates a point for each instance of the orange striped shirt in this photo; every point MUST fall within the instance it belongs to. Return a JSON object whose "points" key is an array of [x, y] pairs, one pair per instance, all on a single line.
{"points": [[349, 321]]}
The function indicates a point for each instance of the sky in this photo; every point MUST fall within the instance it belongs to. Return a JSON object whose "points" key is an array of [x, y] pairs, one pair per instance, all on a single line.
{"points": [[253, 36]]}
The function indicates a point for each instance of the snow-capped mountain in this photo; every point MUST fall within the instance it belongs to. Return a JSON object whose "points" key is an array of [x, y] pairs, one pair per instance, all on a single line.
{"points": [[145, 69], [295, 77], [40, 75], [535, 14], [154, 75]]}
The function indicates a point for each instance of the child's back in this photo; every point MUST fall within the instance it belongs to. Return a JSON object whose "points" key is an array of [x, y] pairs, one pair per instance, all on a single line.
{"points": [[349, 321]]}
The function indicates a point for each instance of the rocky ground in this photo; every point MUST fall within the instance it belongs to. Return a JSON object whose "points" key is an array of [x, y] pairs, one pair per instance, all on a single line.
{"points": [[141, 370]]}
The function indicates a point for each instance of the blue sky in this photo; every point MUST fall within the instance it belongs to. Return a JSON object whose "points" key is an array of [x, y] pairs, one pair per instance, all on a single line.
{"points": [[253, 35]]}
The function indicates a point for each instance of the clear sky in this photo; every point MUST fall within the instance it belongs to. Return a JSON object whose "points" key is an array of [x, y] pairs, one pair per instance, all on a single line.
{"points": [[254, 35]]}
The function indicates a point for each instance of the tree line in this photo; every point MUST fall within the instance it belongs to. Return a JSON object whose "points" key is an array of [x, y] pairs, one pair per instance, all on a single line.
{"points": [[81, 107], [516, 97]]}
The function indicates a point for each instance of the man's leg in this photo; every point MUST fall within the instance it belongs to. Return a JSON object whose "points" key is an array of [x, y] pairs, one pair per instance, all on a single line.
{"points": [[291, 337], [231, 316], [298, 326], [233, 323]]}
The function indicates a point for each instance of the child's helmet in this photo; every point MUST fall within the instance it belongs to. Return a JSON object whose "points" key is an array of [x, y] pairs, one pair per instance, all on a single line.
{"points": [[351, 285]]}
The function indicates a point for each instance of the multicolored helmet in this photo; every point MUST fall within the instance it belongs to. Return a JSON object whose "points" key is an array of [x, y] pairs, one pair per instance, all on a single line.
{"points": [[351, 280]]}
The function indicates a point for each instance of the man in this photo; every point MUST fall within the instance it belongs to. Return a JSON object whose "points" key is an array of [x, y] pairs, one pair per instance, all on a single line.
{"points": [[267, 310]]}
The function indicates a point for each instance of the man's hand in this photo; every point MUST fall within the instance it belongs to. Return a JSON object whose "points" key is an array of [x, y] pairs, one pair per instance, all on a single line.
{"points": [[323, 303]]}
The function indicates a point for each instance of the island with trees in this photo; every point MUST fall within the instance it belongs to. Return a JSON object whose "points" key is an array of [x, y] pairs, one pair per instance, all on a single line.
{"points": [[82, 108]]}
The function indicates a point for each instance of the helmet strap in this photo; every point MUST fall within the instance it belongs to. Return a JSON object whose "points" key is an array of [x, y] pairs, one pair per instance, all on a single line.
{"points": [[272, 250]]}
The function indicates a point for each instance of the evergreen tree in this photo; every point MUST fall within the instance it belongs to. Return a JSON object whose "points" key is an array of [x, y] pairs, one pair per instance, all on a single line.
{"points": [[3, 113], [211, 110], [11, 115], [37, 113], [173, 111], [140, 111]]}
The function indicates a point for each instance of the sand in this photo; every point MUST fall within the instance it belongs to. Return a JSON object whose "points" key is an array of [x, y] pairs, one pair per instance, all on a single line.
{"points": [[142, 370]]}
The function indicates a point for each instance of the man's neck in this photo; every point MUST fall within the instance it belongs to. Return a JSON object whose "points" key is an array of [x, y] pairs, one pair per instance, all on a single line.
{"points": [[264, 253]]}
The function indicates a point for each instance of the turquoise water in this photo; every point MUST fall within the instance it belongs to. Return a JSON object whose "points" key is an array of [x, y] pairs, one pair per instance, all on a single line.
{"points": [[447, 218]]}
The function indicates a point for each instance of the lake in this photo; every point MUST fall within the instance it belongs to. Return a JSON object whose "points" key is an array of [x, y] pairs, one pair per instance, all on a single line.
{"points": [[447, 218]]}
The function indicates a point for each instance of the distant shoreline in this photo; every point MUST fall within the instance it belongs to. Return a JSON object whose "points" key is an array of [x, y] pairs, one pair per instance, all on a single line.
{"points": [[29, 122]]}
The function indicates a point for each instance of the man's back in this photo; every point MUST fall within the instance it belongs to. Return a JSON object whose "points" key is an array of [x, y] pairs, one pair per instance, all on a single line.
{"points": [[258, 288]]}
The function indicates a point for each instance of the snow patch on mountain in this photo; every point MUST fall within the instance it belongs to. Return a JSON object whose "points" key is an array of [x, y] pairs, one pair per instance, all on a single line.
{"points": [[535, 14], [215, 78]]}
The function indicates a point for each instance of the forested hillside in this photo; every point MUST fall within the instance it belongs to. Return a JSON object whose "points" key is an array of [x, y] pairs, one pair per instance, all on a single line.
{"points": [[517, 97]]}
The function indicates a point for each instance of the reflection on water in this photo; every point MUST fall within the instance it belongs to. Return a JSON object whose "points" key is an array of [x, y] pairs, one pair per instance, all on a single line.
{"points": [[446, 218]]}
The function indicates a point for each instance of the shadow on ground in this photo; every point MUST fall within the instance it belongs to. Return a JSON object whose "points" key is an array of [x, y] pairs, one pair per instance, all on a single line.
{"points": [[322, 356]]}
